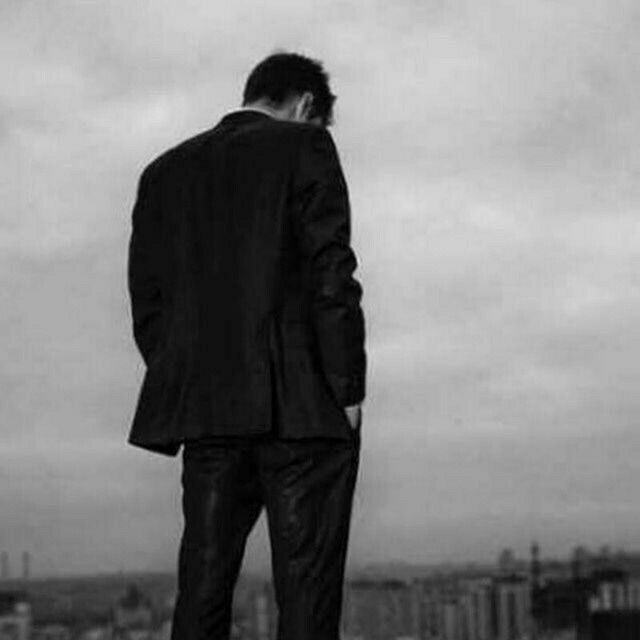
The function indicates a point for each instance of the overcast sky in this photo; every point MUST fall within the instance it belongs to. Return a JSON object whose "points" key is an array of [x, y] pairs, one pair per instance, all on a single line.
{"points": [[492, 153]]}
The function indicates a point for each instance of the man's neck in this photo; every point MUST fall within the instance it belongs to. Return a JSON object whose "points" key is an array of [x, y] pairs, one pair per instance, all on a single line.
{"points": [[257, 107]]}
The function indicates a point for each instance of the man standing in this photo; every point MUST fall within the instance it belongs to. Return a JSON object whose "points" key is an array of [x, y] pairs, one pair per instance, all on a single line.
{"points": [[249, 320]]}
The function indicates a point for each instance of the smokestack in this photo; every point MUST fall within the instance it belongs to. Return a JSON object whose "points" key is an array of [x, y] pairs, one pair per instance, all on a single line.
{"points": [[26, 565], [4, 565], [535, 564]]}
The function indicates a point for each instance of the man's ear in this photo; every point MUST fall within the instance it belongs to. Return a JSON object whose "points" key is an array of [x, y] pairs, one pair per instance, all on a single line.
{"points": [[304, 106], [308, 103]]}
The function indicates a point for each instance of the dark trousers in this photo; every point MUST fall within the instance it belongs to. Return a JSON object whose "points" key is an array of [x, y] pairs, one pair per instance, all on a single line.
{"points": [[307, 488]]}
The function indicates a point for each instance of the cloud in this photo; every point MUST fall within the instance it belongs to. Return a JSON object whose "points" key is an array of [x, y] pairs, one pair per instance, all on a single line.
{"points": [[491, 151]]}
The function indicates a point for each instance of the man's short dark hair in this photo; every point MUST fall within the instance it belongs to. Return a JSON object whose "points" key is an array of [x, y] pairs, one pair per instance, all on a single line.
{"points": [[281, 74]]}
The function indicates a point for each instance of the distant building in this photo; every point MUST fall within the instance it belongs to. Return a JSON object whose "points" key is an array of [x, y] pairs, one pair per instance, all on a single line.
{"points": [[450, 624], [476, 609], [615, 606], [449, 607], [558, 605], [262, 618], [379, 609], [164, 632], [261, 615], [615, 591], [133, 616], [593, 596], [513, 608], [15, 616]]}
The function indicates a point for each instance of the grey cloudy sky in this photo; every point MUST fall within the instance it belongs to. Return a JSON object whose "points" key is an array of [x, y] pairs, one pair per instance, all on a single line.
{"points": [[492, 153]]}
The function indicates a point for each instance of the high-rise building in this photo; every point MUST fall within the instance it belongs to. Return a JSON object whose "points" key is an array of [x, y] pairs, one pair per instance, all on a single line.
{"points": [[455, 608], [379, 609], [430, 619], [615, 592], [450, 623], [513, 608], [614, 606], [476, 603], [262, 615], [415, 607], [262, 620]]}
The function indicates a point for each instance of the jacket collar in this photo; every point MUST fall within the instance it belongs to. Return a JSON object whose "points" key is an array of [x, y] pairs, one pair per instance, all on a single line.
{"points": [[245, 115]]}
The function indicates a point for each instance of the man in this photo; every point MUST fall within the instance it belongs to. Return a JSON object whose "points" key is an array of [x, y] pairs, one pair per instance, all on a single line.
{"points": [[249, 320]]}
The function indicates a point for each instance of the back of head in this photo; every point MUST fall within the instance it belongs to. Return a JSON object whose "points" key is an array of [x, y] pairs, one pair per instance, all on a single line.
{"points": [[281, 75]]}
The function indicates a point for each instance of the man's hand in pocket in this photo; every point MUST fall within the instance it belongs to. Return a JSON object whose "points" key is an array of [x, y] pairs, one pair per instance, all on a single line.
{"points": [[354, 415]]}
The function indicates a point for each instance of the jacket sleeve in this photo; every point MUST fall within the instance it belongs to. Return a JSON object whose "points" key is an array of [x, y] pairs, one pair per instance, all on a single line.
{"points": [[322, 225], [143, 272]]}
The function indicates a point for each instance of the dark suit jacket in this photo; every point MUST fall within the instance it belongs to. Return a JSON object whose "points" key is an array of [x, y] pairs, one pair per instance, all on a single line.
{"points": [[240, 271]]}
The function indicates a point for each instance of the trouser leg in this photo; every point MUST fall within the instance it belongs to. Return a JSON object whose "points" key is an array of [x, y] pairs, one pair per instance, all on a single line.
{"points": [[221, 502], [309, 487]]}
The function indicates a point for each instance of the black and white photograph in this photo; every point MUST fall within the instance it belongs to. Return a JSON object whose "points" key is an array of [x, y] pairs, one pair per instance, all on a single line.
{"points": [[319, 320]]}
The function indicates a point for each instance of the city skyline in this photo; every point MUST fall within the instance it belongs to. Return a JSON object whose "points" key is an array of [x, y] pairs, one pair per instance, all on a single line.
{"points": [[491, 152], [590, 595]]}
